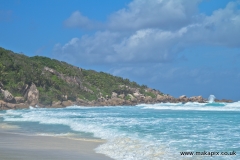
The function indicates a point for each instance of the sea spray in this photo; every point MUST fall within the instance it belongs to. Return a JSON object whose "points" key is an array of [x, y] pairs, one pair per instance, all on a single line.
{"points": [[211, 99]]}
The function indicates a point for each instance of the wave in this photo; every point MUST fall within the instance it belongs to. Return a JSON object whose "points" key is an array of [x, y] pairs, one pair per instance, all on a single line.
{"points": [[214, 106], [120, 144]]}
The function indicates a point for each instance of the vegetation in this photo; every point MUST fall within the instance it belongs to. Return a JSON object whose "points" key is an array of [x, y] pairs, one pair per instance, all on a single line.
{"points": [[59, 79]]}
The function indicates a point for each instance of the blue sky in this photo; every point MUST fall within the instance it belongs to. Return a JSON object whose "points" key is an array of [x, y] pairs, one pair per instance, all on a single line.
{"points": [[179, 47]]}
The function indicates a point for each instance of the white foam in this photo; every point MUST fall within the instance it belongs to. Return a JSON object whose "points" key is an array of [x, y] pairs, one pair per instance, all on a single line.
{"points": [[195, 106], [87, 107], [8, 126], [211, 98], [57, 135], [121, 148], [31, 107]]}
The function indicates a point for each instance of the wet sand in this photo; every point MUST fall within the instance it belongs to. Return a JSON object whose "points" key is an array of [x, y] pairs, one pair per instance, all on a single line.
{"points": [[17, 146]]}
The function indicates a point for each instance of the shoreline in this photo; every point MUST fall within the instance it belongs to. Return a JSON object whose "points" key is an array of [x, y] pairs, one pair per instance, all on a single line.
{"points": [[8, 106], [20, 146]]}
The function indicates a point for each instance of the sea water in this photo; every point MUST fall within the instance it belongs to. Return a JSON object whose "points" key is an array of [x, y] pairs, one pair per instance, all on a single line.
{"points": [[142, 132]]}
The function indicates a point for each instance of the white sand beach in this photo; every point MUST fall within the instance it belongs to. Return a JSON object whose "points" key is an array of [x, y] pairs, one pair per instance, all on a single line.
{"points": [[18, 146]]}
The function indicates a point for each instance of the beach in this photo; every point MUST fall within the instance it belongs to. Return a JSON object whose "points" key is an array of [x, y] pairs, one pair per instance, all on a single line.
{"points": [[15, 145], [146, 131]]}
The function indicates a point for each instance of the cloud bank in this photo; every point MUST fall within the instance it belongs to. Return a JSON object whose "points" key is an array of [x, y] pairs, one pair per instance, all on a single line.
{"points": [[153, 31]]}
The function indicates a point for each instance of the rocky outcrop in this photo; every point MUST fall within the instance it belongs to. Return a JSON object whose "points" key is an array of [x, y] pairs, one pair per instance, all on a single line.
{"points": [[114, 95], [1, 85], [165, 98], [20, 99], [133, 97], [81, 102], [197, 99], [68, 79], [2, 105], [66, 103], [148, 99], [8, 97], [6, 106], [185, 99], [56, 104], [32, 95], [115, 101]]}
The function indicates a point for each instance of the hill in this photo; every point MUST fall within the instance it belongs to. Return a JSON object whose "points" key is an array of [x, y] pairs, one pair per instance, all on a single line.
{"points": [[44, 82], [48, 82]]}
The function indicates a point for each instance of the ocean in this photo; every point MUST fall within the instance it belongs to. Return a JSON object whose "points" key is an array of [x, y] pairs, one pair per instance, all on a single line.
{"points": [[165, 131]]}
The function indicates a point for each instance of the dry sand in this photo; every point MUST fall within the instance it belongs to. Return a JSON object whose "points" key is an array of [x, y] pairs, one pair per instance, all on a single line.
{"points": [[17, 146]]}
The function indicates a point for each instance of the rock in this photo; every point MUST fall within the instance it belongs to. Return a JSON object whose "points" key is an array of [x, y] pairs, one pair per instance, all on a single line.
{"points": [[101, 99], [67, 103], [8, 97], [56, 104], [21, 105], [1, 85], [19, 99], [2, 105], [25, 90], [115, 101], [81, 102], [128, 102], [32, 95], [121, 96], [64, 97], [182, 97], [11, 105], [136, 94], [164, 98], [142, 98], [5, 105], [200, 99], [114, 95], [159, 98], [196, 99], [87, 90], [148, 99], [132, 98]]}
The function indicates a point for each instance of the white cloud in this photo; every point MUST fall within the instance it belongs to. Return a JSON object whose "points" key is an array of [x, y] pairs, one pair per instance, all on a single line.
{"points": [[142, 14], [162, 14], [219, 29], [223, 26], [145, 45], [77, 20], [88, 49], [152, 32], [142, 46]]}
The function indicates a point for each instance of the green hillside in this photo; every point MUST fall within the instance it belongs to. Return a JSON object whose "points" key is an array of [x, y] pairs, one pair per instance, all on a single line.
{"points": [[57, 80]]}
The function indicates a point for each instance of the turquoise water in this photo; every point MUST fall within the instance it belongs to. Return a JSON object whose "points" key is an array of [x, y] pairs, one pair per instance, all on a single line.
{"points": [[159, 131]]}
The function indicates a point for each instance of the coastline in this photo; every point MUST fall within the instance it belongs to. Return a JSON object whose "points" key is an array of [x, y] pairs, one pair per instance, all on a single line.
{"points": [[109, 102], [20, 146]]}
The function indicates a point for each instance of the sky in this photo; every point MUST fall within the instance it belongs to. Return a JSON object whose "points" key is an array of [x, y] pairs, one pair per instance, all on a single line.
{"points": [[180, 47]]}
